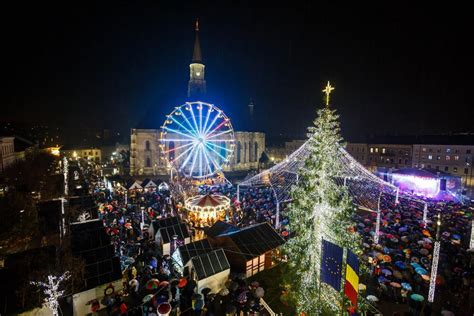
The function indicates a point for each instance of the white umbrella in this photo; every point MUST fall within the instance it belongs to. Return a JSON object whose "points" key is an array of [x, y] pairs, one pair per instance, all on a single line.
{"points": [[259, 292], [372, 298]]}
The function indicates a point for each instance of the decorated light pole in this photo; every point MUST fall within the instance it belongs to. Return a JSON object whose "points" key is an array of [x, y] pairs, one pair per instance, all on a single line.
{"points": [[52, 292], [434, 264]]}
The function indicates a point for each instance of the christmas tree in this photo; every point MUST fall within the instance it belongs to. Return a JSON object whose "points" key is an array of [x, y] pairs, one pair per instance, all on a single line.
{"points": [[321, 208]]}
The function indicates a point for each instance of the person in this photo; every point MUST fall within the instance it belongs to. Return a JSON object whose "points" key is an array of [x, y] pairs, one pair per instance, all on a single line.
{"points": [[123, 309]]}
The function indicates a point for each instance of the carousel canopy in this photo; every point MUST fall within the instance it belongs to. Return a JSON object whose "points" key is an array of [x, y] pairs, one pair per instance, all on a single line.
{"points": [[209, 202]]}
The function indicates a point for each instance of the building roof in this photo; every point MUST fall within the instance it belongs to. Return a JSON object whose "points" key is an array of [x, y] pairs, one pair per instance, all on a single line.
{"points": [[441, 139], [220, 228], [165, 222], [168, 232], [194, 249], [209, 264], [256, 240]]}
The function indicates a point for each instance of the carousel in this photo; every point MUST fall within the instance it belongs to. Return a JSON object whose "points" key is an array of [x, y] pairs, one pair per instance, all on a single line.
{"points": [[207, 208]]}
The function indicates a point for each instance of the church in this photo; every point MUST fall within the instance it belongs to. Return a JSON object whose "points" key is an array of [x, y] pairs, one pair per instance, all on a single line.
{"points": [[147, 153]]}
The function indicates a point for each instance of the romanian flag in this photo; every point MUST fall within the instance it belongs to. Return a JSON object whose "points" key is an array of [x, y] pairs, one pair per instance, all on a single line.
{"points": [[351, 287]]}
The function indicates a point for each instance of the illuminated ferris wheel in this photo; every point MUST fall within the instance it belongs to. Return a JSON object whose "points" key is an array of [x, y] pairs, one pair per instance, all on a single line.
{"points": [[197, 139]]}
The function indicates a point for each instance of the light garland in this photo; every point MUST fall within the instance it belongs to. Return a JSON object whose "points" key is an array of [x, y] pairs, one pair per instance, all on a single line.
{"points": [[65, 174], [51, 291], [434, 272]]}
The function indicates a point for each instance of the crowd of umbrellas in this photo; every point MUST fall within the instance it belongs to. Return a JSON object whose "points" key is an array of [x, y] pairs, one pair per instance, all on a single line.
{"points": [[402, 260]]}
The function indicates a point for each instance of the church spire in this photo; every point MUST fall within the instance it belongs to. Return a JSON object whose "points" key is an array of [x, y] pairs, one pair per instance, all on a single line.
{"points": [[197, 56], [197, 81]]}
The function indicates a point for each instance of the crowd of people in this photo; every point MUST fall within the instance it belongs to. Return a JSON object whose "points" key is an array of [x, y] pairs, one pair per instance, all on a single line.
{"points": [[152, 283], [400, 263]]}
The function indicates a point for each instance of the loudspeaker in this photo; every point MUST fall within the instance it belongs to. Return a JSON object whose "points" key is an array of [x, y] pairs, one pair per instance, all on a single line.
{"points": [[442, 185]]}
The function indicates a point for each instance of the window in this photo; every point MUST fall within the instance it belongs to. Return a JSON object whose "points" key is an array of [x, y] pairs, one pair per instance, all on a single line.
{"points": [[438, 157], [456, 157], [422, 165], [446, 168], [430, 150], [448, 150], [376, 150], [383, 150], [448, 157], [437, 167], [400, 161], [148, 163], [430, 157], [455, 169], [147, 145], [466, 170], [468, 151], [406, 161], [423, 149], [429, 166]]}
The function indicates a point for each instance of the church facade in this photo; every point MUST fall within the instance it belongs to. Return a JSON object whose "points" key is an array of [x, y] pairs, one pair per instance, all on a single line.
{"points": [[146, 150]]}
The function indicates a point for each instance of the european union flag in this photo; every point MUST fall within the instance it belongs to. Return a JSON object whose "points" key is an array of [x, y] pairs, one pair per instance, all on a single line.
{"points": [[331, 265]]}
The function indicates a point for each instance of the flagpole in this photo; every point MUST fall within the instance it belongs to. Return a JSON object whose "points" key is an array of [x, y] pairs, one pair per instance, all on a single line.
{"points": [[320, 283], [343, 277]]}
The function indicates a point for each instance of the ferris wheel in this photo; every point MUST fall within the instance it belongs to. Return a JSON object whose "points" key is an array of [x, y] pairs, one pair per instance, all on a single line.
{"points": [[197, 139]]}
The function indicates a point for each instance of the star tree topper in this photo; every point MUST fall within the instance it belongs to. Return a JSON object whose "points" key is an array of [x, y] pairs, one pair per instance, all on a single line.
{"points": [[327, 90]]}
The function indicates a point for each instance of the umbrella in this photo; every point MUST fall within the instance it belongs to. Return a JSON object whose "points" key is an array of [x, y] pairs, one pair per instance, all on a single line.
{"points": [[259, 292], [182, 283], [425, 277], [395, 285], [421, 271], [400, 265], [387, 258], [426, 233], [386, 272], [147, 298], [255, 284], [447, 313], [456, 236], [372, 298], [163, 283], [362, 287], [164, 309], [397, 274], [152, 284], [424, 251], [382, 279], [417, 297], [242, 298], [406, 286]]}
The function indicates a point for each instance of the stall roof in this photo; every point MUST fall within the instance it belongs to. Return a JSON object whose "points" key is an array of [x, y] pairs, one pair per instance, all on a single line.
{"points": [[194, 249], [209, 264], [167, 232], [220, 228], [165, 222], [256, 240]]}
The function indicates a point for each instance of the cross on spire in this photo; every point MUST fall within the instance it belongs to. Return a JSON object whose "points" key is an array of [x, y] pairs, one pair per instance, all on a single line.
{"points": [[327, 90]]}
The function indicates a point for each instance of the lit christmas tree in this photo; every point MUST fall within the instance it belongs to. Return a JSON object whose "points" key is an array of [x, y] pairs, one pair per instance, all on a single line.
{"points": [[52, 292], [321, 208]]}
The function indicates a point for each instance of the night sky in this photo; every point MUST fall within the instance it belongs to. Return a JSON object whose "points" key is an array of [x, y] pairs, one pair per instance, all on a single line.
{"points": [[123, 64]]}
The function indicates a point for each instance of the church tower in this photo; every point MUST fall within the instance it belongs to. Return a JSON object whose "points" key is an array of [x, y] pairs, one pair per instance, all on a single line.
{"points": [[197, 83]]}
